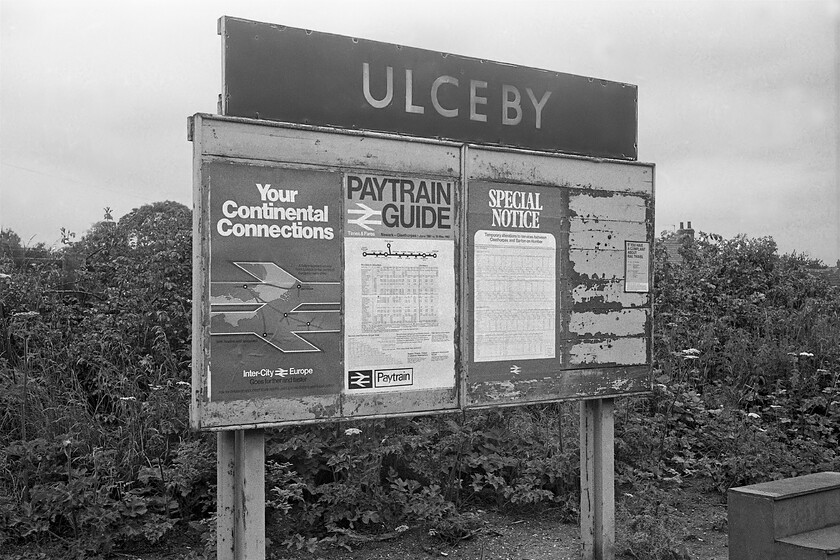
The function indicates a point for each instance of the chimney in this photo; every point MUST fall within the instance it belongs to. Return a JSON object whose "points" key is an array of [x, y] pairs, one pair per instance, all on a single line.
{"points": [[685, 233]]}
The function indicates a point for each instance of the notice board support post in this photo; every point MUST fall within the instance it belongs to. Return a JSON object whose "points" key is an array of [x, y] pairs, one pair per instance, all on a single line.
{"points": [[240, 511], [597, 479]]}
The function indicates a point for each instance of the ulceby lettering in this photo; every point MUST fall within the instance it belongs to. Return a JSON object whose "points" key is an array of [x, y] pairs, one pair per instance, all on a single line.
{"points": [[474, 98]]}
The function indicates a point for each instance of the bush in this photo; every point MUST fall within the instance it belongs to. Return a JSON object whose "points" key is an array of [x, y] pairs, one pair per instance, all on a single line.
{"points": [[94, 392], [94, 385], [326, 482]]}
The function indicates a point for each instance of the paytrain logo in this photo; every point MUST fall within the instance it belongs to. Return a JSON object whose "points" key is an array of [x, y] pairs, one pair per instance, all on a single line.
{"points": [[380, 378]]}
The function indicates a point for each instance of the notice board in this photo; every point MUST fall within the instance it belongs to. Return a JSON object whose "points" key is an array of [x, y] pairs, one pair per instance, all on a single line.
{"points": [[348, 274], [548, 310]]}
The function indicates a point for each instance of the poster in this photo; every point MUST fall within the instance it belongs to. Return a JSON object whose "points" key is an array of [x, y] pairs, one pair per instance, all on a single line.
{"points": [[636, 266], [514, 233], [515, 296], [399, 283], [275, 292]]}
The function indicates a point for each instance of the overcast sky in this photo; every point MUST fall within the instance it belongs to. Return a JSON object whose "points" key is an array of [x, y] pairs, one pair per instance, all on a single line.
{"points": [[738, 101]]}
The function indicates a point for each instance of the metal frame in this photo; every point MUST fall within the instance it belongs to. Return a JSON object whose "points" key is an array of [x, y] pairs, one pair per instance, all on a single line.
{"points": [[230, 139]]}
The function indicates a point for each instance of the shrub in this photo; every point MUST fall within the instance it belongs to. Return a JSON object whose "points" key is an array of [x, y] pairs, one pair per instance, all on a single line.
{"points": [[94, 393]]}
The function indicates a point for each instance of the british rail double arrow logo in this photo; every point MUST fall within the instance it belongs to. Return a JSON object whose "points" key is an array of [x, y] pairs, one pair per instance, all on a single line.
{"points": [[367, 216]]}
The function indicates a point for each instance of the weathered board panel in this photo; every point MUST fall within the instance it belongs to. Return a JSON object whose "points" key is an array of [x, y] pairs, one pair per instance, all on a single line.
{"points": [[524, 255], [572, 384], [593, 294], [245, 139], [575, 173], [590, 210], [595, 264], [276, 212], [625, 322], [589, 207], [610, 351], [255, 412], [604, 235]]}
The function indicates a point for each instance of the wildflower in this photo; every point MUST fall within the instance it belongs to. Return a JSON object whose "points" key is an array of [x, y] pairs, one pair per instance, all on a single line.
{"points": [[690, 354], [753, 415], [401, 529], [352, 432], [26, 314], [805, 355], [128, 398]]}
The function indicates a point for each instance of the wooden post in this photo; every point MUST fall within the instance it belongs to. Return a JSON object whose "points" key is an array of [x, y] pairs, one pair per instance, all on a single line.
{"points": [[240, 517], [225, 477], [597, 479]]}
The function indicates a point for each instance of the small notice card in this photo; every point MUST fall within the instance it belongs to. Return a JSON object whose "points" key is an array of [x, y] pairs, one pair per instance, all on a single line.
{"points": [[636, 266]]}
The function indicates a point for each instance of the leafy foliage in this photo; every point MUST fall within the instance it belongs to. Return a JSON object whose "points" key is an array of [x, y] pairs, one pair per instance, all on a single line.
{"points": [[94, 384], [94, 390], [330, 481], [747, 367]]}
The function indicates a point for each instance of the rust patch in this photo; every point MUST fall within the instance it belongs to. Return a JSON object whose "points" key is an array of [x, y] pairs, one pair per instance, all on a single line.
{"points": [[321, 411]]}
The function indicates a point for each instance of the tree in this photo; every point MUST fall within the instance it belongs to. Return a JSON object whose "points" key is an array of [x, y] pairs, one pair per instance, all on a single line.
{"points": [[13, 250], [135, 279], [744, 307]]}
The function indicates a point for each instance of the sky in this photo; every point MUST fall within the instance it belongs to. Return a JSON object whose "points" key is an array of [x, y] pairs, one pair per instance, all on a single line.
{"points": [[738, 101]]}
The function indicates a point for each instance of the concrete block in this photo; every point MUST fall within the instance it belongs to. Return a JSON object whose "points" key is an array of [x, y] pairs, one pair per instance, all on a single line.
{"points": [[822, 544], [762, 514]]}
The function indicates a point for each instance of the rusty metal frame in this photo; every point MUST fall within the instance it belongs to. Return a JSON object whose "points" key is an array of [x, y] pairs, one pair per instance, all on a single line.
{"points": [[221, 138]]}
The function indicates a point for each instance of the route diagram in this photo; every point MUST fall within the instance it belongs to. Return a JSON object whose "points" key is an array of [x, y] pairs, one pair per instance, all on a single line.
{"points": [[400, 254], [276, 308]]}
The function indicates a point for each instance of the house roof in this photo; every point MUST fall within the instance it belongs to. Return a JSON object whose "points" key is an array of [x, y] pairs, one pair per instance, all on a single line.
{"points": [[672, 243], [831, 274]]}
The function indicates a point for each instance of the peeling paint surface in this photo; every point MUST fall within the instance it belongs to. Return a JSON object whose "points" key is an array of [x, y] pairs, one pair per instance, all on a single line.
{"points": [[619, 351], [594, 264], [567, 385], [627, 208], [602, 331], [606, 293], [626, 322], [602, 334], [580, 173], [605, 235]]}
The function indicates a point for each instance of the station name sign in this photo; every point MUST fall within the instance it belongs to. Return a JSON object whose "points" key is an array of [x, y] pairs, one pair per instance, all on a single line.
{"points": [[298, 76]]}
